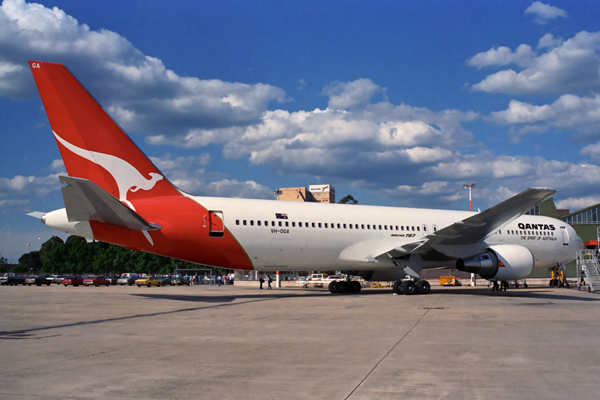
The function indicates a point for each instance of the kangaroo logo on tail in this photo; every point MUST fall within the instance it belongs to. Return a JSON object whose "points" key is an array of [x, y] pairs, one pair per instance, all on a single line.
{"points": [[125, 174]]}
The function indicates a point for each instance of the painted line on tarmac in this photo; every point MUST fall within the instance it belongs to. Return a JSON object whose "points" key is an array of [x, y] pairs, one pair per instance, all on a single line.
{"points": [[394, 346]]}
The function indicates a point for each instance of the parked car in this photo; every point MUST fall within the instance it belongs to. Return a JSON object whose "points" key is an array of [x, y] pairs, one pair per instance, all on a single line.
{"points": [[148, 281], [10, 278], [113, 279], [180, 281], [127, 278], [37, 280], [166, 280], [96, 281], [73, 280], [55, 278]]}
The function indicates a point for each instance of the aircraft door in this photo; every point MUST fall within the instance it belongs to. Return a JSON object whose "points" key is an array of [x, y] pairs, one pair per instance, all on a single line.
{"points": [[565, 235], [216, 223]]}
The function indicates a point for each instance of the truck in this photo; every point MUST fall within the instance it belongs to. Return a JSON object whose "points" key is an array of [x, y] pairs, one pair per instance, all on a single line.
{"points": [[11, 279]]}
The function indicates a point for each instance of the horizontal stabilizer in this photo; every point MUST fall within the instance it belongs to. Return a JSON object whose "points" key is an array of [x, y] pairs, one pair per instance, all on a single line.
{"points": [[36, 214], [86, 201]]}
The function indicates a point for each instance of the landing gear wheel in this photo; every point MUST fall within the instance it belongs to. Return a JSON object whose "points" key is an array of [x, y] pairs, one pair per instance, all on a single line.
{"points": [[355, 287], [342, 287], [423, 287], [333, 287], [408, 287], [397, 288]]}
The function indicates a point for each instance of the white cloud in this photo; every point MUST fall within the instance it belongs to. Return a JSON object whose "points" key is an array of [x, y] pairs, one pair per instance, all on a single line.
{"points": [[549, 41], [57, 165], [502, 55], [571, 66], [31, 185], [568, 112], [574, 204], [545, 12], [347, 95], [234, 188], [142, 93], [592, 150]]}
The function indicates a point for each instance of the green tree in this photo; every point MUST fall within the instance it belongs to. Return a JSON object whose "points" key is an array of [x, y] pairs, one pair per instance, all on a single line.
{"points": [[31, 261], [348, 200], [48, 246]]}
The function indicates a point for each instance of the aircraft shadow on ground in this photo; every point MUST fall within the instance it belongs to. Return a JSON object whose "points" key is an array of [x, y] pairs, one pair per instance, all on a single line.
{"points": [[226, 298]]}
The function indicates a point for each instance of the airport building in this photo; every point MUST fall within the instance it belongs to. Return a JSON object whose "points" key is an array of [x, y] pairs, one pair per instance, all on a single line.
{"points": [[314, 194]]}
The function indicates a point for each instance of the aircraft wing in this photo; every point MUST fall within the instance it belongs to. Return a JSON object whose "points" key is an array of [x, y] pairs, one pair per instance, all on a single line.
{"points": [[86, 201], [464, 238]]}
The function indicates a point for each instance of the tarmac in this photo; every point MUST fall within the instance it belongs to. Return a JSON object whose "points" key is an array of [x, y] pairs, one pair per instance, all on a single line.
{"points": [[210, 342]]}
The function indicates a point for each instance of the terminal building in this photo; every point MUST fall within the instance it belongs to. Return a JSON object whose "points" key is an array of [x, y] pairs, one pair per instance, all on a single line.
{"points": [[314, 194]]}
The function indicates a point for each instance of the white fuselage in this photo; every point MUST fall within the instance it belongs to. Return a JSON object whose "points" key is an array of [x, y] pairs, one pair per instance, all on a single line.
{"points": [[294, 244]]}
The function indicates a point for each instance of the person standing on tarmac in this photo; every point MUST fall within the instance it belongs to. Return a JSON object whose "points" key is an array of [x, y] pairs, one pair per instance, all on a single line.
{"points": [[261, 281], [269, 280], [495, 287]]}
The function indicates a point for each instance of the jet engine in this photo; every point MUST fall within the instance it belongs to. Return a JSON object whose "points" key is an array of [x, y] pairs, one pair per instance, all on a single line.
{"points": [[507, 262]]}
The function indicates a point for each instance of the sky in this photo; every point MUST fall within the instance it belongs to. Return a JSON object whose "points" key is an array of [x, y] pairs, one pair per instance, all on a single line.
{"points": [[398, 103]]}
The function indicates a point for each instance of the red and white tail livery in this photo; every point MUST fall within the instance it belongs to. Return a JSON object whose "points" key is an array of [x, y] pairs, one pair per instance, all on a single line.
{"points": [[115, 194]]}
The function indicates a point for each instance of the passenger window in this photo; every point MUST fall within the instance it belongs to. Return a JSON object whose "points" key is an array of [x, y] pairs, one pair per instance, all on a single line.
{"points": [[287, 223], [413, 228], [279, 223], [380, 228], [272, 223], [299, 224], [313, 224], [244, 222], [402, 227], [356, 226], [344, 226], [418, 228], [319, 224], [251, 222], [325, 224], [339, 226], [385, 227], [258, 222], [237, 221]]}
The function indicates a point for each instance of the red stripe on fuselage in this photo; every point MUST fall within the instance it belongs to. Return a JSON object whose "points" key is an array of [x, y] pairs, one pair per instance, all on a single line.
{"points": [[184, 234]]}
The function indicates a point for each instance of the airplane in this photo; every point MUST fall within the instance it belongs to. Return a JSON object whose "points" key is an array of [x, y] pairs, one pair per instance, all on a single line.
{"points": [[113, 193]]}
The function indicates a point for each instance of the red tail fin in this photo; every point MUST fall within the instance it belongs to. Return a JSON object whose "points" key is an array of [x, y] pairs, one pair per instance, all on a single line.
{"points": [[91, 144]]}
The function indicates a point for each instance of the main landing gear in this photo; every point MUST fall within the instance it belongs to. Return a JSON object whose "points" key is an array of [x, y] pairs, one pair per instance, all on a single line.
{"points": [[342, 287], [409, 287]]}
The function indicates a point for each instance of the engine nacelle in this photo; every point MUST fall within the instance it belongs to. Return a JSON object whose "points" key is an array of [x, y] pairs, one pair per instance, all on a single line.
{"points": [[505, 262]]}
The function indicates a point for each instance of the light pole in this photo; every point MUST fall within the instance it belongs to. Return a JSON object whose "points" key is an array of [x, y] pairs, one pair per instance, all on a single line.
{"points": [[277, 193], [472, 185]]}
